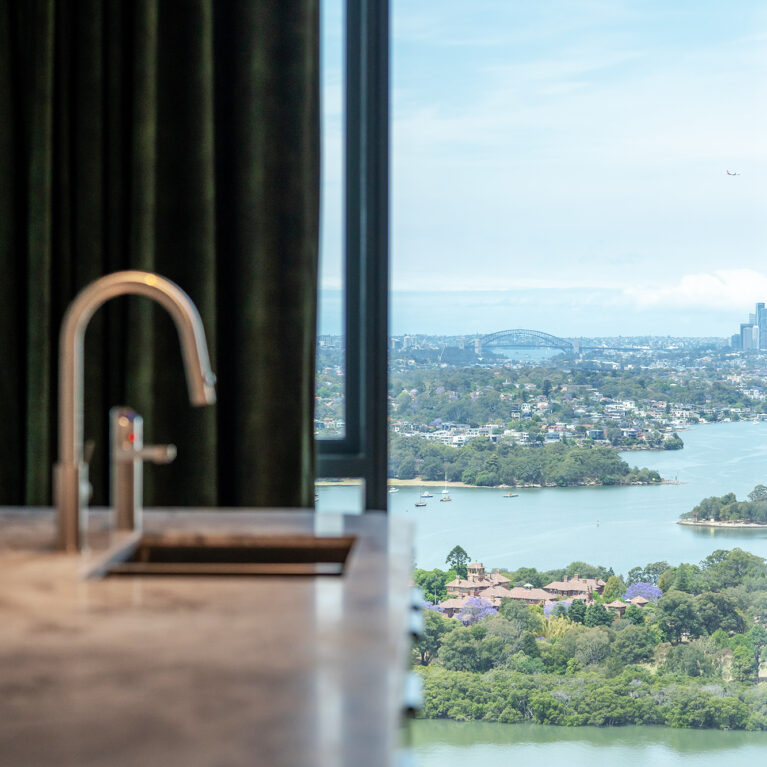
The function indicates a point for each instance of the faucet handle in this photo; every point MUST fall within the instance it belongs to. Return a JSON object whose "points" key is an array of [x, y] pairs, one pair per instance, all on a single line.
{"points": [[151, 453]]}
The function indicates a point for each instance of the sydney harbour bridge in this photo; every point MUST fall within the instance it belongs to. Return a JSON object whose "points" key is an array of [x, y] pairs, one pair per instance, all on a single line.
{"points": [[532, 339]]}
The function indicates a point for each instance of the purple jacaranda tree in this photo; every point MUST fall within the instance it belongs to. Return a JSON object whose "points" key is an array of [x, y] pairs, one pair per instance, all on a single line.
{"points": [[555, 607], [475, 610], [432, 606], [642, 589]]}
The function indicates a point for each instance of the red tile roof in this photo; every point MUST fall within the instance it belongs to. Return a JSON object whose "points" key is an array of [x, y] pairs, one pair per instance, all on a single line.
{"points": [[532, 594]]}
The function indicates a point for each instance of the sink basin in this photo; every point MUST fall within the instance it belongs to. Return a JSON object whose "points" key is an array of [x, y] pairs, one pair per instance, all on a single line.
{"points": [[230, 555]]}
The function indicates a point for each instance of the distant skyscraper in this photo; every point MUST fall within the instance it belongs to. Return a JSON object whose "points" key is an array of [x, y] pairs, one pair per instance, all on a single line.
{"points": [[735, 341], [761, 323], [752, 319], [746, 335]]}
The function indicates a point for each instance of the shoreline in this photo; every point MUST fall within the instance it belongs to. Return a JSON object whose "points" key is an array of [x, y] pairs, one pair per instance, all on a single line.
{"points": [[441, 483], [727, 525]]}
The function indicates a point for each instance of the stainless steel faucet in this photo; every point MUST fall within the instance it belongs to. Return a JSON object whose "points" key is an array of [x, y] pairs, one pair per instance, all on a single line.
{"points": [[71, 485]]}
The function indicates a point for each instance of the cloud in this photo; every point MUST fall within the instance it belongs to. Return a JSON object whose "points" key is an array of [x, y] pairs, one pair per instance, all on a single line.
{"points": [[720, 289]]}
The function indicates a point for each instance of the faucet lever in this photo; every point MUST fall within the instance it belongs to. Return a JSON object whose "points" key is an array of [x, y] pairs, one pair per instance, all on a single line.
{"points": [[128, 454], [151, 453]]}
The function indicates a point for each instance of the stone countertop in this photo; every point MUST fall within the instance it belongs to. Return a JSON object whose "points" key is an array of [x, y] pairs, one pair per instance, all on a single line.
{"points": [[202, 671]]}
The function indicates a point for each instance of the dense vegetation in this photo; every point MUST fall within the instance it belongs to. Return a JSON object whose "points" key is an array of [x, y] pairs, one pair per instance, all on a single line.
{"points": [[688, 659], [478, 396], [727, 508], [483, 462]]}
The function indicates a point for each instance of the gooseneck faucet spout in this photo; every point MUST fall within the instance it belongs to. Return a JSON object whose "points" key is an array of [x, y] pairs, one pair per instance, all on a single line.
{"points": [[71, 486]]}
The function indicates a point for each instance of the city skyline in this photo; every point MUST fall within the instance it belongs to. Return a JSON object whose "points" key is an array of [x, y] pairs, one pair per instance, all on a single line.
{"points": [[479, 312]]}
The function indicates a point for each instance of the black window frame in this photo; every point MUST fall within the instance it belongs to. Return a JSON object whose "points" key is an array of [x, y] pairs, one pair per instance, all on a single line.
{"points": [[362, 451]]}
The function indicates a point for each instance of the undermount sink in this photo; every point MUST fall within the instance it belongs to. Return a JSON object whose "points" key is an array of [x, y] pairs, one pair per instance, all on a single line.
{"points": [[187, 554]]}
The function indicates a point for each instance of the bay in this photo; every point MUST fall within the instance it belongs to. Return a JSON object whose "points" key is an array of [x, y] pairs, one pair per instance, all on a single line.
{"points": [[443, 743], [617, 527]]}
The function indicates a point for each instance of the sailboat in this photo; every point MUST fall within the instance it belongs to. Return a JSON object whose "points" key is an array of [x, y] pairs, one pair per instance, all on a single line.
{"points": [[426, 494], [420, 503], [445, 491]]}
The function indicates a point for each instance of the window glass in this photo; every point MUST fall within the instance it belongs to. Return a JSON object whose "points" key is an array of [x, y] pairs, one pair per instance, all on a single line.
{"points": [[577, 364], [331, 364]]}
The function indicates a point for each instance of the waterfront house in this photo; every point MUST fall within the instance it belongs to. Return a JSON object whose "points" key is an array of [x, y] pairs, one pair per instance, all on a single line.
{"points": [[451, 607], [529, 595], [494, 594], [475, 582], [576, 586], [616, 606]]}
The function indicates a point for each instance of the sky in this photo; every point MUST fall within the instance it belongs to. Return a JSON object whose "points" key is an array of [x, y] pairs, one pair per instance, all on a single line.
{"points": [[562, 166]]}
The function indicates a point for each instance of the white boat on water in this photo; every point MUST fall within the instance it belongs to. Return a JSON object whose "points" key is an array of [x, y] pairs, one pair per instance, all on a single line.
{"points": [[426, 494], [393, 489]]}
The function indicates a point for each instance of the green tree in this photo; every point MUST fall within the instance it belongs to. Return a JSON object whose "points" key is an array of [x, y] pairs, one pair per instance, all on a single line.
{"points": [[686, 578], [689, 659], [471, 649], [759, 493], [458, 559], [469, 476], [592, 647], [577, 611], [719, 611], [458, 651], [757, 636], [677, 616], [521, 617], [633, 644], [743, 664], [432, 468], [613, 588], [528, 645], [634, 615], [432, 583], [435, 628], [597, 615]]}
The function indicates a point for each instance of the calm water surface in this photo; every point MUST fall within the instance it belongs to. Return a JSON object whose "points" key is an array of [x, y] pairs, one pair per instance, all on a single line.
{"points": [[483, 744], [618, 527]]}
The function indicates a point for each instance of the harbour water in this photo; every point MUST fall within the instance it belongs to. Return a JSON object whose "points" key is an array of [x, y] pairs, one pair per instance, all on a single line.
{"points": [[442, 743], [617, 527]]}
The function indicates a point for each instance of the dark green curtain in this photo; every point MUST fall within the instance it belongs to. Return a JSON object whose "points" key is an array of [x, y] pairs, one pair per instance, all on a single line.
{"points": [[180, 137]]}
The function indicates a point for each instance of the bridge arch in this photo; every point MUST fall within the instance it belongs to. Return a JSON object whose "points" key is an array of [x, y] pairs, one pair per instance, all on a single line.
{"points": [[521, 338]]}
